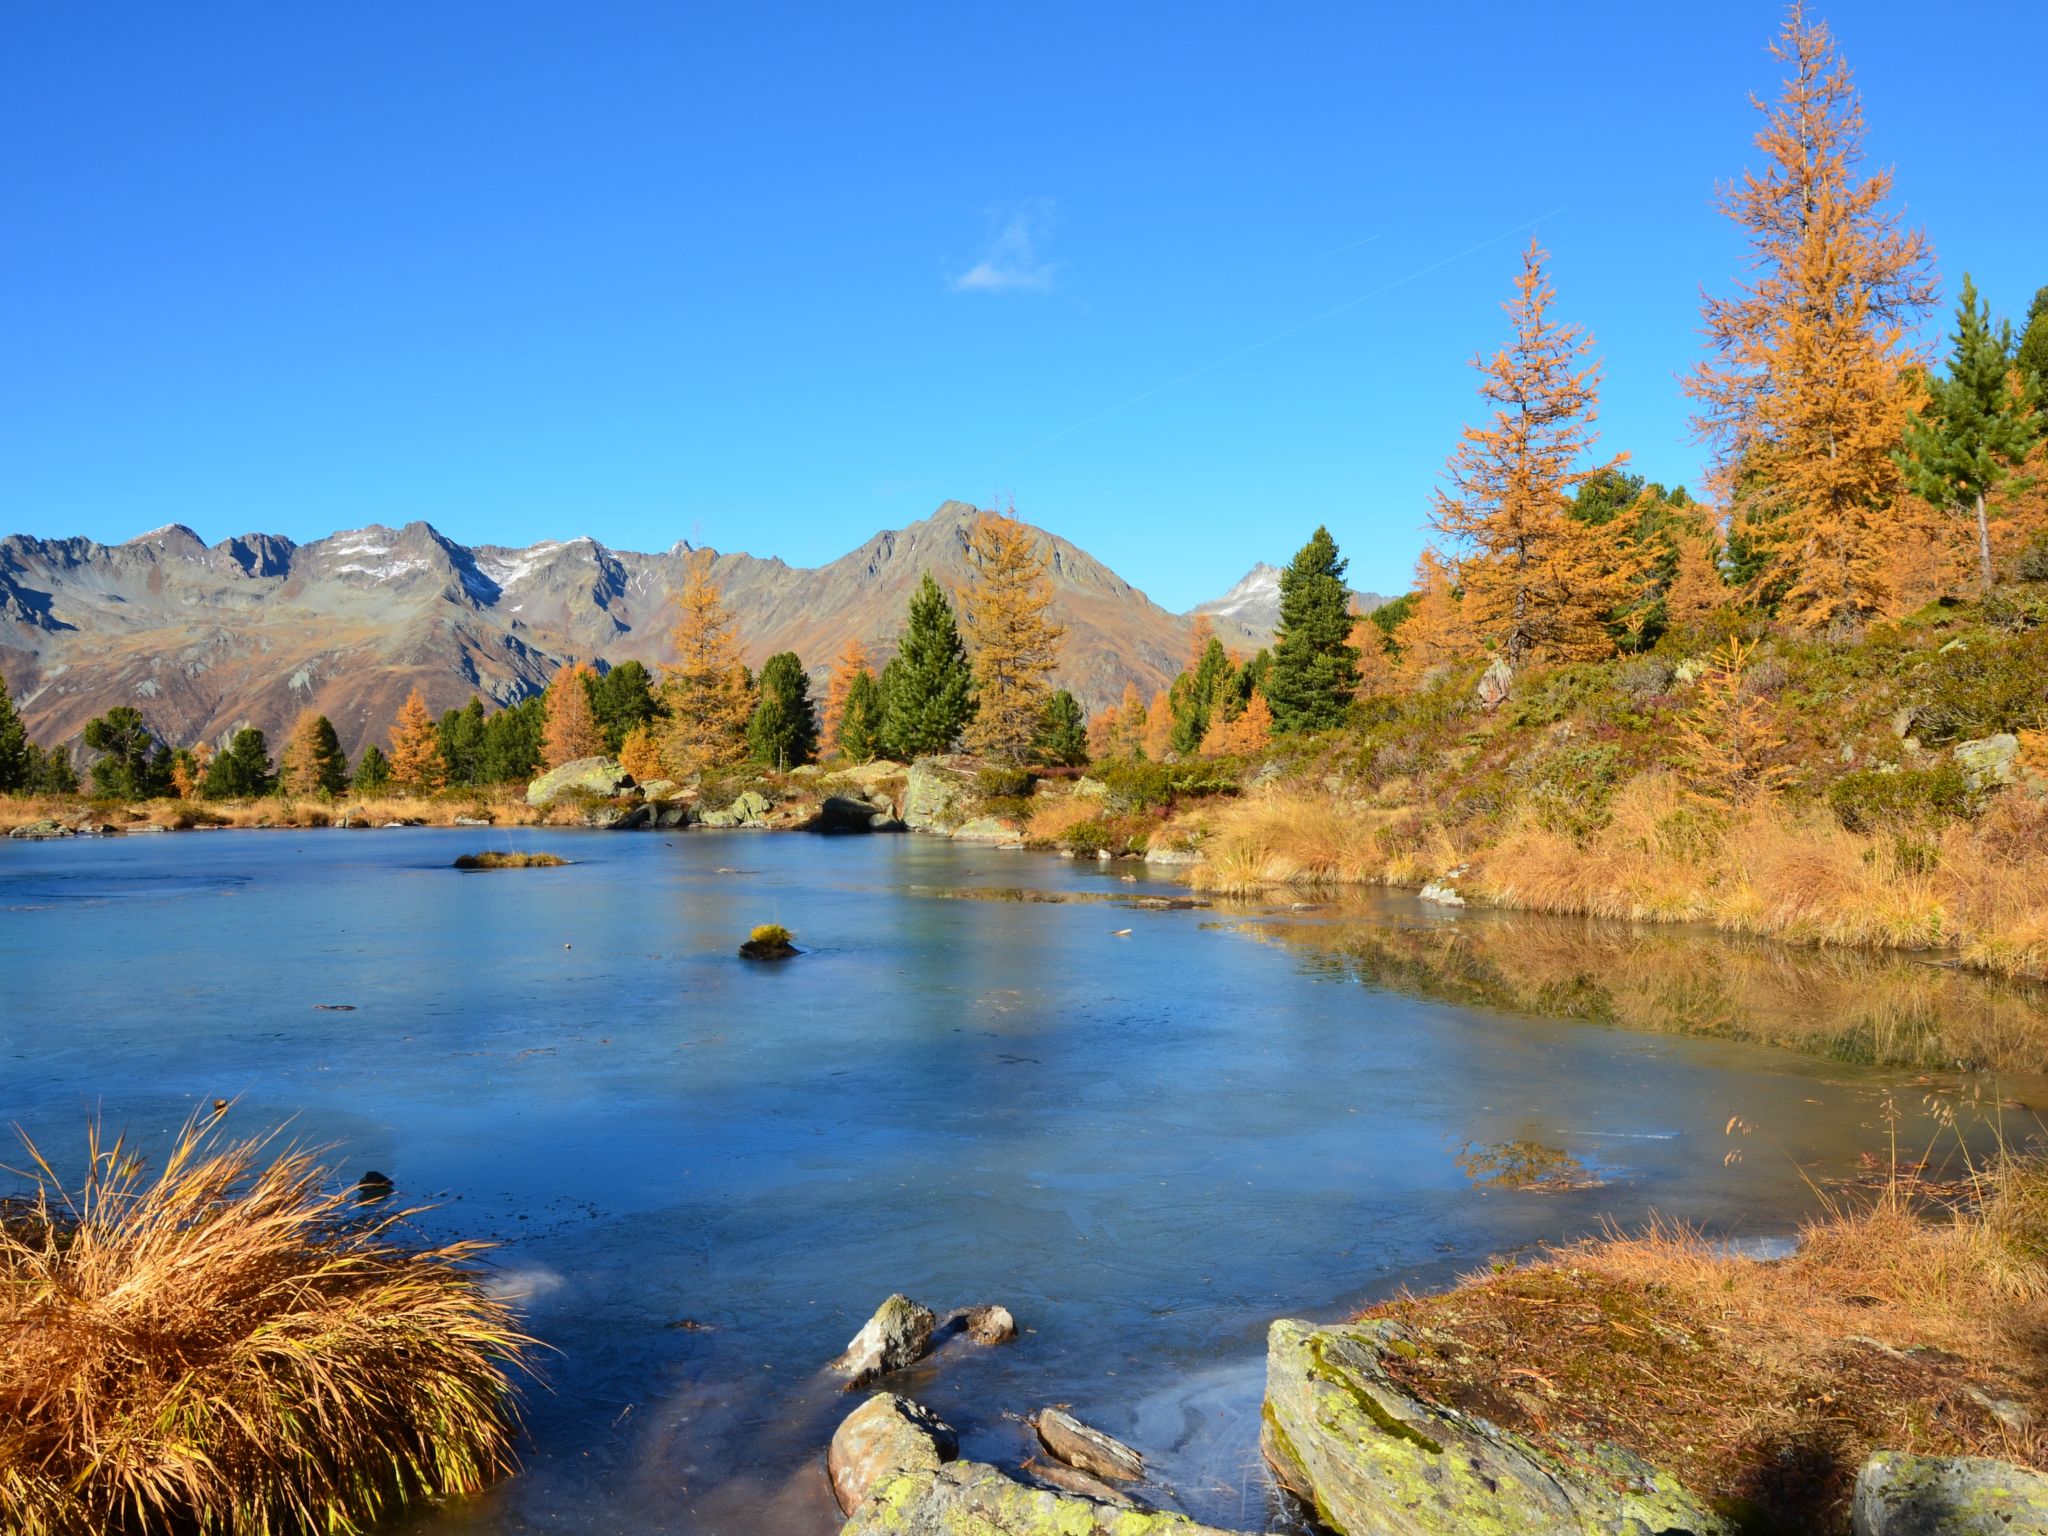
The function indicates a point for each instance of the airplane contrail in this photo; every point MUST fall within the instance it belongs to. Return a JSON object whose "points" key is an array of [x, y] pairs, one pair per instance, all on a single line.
{"points": [[1277, 336]]}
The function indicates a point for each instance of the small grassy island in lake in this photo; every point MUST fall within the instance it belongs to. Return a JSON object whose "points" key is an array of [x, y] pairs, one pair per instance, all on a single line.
{"points": [[510, 861]]}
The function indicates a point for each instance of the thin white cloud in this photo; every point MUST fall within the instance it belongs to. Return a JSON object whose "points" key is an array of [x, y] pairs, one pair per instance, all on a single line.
{"points": [[1014, 261]]}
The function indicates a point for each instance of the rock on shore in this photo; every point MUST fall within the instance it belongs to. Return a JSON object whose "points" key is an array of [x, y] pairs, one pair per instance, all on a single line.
{"points": [[966, 1496], [1372, 1459], [1901, 1495]]}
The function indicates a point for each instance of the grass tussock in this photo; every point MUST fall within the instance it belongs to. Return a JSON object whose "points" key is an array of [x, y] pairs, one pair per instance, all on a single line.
{"points": [[1772, 867], [233, 1345], [504, 859], [1764, 1386], [506, 807]]}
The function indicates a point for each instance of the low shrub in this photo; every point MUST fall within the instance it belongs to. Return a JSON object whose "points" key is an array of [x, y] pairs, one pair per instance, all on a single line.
{"points": [[1980, 685], [2032, 564], [234, 1345], [1902, 799], [1136, 784], [1002, 783]]}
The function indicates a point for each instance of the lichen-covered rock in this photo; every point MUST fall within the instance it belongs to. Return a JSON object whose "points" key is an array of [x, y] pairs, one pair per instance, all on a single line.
{"points": [[884, 1436], [1372, 1459], [934, 793], [599, 776], [966, 1498], [1494, 684], [843, 813], [899, 1334], [1990, 761], [660, 789], [1902, 1495], [35, 831], [985, 829], [746, 810]]}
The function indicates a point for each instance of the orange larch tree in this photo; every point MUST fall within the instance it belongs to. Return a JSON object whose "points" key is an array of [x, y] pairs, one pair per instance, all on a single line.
{"points": [[571, 730], [1157, 739], [312, 760], [416, 764], [1806, 390], [852, 663], [1697, 588], [708, 693], [1435, 631], [640, 755], [1012, 642], [1376, 672], [1252, 731], [1539, 582]]}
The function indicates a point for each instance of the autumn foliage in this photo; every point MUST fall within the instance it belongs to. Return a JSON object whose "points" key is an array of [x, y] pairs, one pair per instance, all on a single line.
{"points": [[571, 731], [416, 764], [1013, 643], [853, 663], [707, 691]]}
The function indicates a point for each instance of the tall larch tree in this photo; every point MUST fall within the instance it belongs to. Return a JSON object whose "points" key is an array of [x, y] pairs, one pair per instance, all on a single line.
{"points": [[1011, 636], [1977, 426], [572, 731], [1158, 737], [1805, 391], [928, 688], [640, 754], [1697, 589], [709, 696], [853, 662], [1315, 671], [414, 765], [1539, 582], [1376, 671], [313, 763]]}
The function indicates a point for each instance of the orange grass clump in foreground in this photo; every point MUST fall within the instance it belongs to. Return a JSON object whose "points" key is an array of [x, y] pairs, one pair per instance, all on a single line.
{"points": [[234, 1346], [1769, 867], [1763, 1386]]}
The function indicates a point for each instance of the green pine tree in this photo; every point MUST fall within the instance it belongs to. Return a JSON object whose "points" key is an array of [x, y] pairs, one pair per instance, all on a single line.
{"points": [[860, 726], [52, 772], [373, 771], [2032, 355], [932, 696], [1192, 694], [1975, 431], [243, 771], [17, 757], [1062, 739], [620, 700], [1315, 670], [131, 765], [462, 742], [512, 743], [784, 730]]}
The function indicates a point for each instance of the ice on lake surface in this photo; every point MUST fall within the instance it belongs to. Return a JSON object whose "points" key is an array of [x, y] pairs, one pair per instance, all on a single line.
{"points": [[1146, 1146]]}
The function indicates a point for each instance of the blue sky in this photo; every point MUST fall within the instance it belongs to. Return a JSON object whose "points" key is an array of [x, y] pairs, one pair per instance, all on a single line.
{"points": [[1183, 279]]}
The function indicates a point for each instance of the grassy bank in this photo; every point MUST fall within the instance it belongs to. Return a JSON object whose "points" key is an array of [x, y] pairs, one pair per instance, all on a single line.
{"points": [[235, 1344], [1905, 1321]]}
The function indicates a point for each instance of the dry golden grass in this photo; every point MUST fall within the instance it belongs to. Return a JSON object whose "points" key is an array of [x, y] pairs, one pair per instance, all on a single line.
{"points": [[1052, 816], [233, 1345], [1768, 867], [503, 808], [1896, 1325]]}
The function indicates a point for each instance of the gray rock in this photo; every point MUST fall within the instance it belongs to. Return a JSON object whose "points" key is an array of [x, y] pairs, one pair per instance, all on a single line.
{"points": [[1494, 684], [475, 821], [36, 831], [985, 829], [1443, 893], [1902, 1495], [966, 1496], [1091, 1450], [883, 1437], [1374, 1460], [1172, 856], [881, 821], [659, 789], [746, 810], [934, 791], [899, 1334], [599, 776], [671, 813], [988, 1324], [843, 813], [1090, 789], [1990, 761]]}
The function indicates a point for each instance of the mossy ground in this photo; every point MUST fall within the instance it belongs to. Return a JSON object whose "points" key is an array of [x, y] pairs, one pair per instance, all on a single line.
{"points": [[1764, 1386]]}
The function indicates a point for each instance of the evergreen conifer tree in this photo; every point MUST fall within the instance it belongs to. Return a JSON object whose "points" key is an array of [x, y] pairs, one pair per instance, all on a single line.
{"points": [[1976, 429], [512, 742], [860, 719], [242, 771], [620, 700], [53, 772], [2031, 356], [1062, 739], [131, 764], [932, 697], [17, 762], [784, 730], [1314, 670], [461, 736], [373, 771], [1193, 693]]}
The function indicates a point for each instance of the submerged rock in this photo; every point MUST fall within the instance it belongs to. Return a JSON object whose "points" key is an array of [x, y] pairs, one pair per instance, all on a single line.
{"points": [[1373, 1459], [965, 1497], [599, 776], [884, 1436], [899, 1334], [1088, 1449], [35, 831], [986, 1324], [1902, 1495]]}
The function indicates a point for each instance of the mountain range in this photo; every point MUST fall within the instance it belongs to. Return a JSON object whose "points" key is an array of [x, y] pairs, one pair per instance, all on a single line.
{"points": [[205, 639]]}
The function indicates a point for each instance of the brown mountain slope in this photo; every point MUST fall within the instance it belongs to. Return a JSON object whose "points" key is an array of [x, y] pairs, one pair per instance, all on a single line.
{"points": [[251, 630]]}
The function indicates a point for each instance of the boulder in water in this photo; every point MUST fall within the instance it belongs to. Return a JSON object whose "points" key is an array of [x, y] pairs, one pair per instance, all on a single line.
{"points": [[1089, 1449], [899, 1334], [964, 1496]]}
